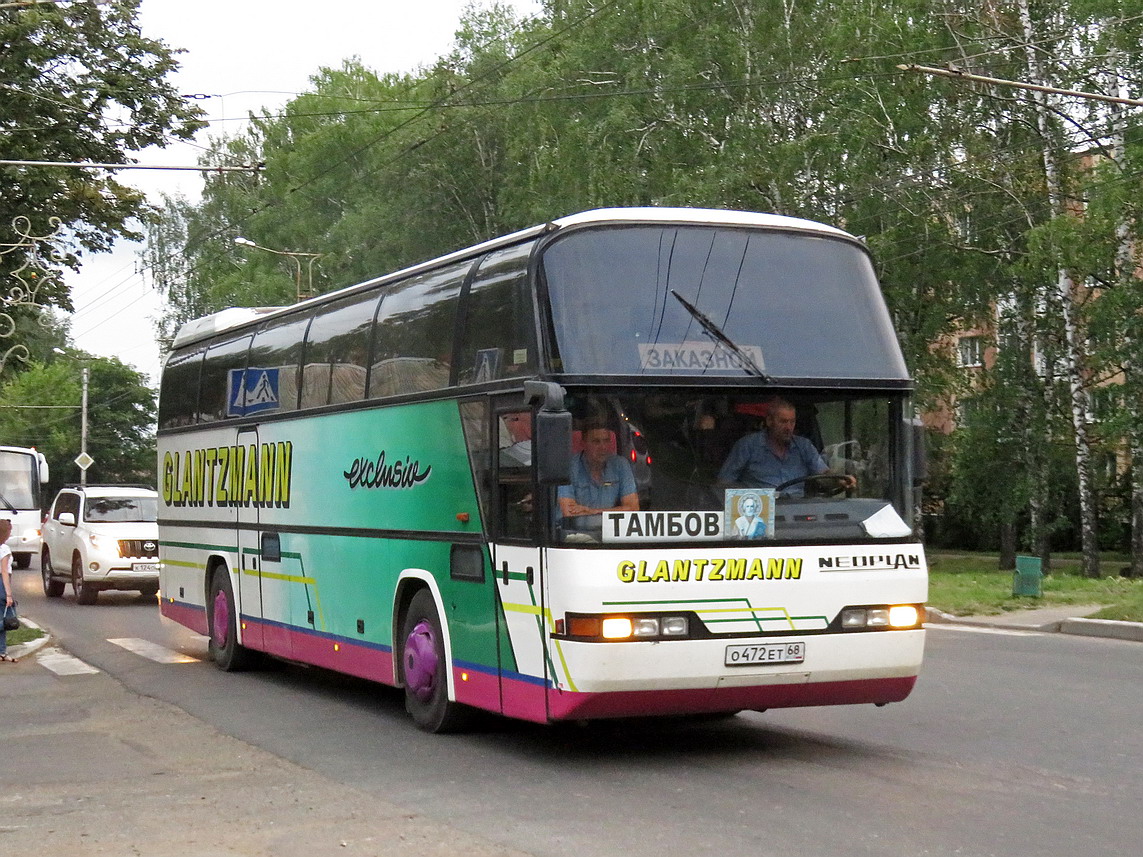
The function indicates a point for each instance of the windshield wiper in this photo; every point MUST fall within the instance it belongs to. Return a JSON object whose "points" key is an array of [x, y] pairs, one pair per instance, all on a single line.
{"points": [[715, 332], [7, 504]]}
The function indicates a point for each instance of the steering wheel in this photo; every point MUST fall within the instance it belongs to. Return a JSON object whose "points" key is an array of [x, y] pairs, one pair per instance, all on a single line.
{"points": [[839, 480]]}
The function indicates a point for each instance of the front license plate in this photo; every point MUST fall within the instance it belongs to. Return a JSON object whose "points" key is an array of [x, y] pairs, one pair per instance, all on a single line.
{"points": [[145, 567], [765, 653]]}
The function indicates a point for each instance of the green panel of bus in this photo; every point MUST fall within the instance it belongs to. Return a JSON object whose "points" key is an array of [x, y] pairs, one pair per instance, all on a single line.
{"points": [[631, 462]]}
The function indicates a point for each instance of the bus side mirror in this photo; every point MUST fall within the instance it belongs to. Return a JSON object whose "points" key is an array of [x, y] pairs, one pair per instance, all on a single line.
{"points": [[552, 447], [920, 452], [552, 439], [43, 469]]}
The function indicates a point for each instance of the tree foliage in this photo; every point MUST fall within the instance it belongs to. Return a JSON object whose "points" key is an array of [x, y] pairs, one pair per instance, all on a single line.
{"points": [[973, 197], [42, 408], [79, 83]]}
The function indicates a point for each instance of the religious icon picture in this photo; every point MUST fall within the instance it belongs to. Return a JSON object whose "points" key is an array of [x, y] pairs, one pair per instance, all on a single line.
{"points": [[749, 513]]}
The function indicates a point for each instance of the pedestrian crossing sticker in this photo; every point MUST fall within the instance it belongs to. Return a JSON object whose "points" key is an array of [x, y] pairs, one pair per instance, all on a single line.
{"points": [[251, 391]]}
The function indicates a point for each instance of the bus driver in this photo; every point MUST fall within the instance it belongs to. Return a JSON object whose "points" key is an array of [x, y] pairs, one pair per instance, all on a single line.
{"points": [[600, 480], [775, 455]]}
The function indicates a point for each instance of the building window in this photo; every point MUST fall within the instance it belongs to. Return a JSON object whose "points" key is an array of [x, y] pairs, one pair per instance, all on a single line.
{"points": [[970, 351], [1104, 403]]}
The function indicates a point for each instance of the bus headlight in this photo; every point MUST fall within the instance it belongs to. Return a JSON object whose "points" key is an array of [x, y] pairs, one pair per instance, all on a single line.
{"points": [[644, 627], [629, 627], [904, 616], [881, 618], [617, 628]]}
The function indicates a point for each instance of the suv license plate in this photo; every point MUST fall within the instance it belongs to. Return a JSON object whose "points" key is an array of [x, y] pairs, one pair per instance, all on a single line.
{"points": [[765, 653], [145, 567]]}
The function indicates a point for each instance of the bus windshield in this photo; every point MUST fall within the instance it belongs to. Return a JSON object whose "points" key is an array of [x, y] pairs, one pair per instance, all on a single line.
{"points": [[798, 305], [835, 475], [18, 480]]}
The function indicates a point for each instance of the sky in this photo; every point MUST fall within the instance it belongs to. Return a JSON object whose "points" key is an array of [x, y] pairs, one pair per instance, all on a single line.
{"points": [[240, 56]]}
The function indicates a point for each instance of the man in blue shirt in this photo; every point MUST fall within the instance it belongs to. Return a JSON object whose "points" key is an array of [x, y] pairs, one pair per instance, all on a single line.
{"points": [[600, 480], [774, 456]]}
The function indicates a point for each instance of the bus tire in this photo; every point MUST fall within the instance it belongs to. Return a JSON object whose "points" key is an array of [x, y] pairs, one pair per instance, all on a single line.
{"points": [[424, 669], [222, 625], [22, 560], [52, 588]]}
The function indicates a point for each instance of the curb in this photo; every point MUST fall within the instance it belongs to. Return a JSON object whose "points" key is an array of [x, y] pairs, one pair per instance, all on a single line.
{"points": [[1107, 628], [24, 649]]}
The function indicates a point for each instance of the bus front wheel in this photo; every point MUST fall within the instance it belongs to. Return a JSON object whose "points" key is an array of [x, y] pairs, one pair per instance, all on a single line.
{"points": [[222, 643], [423, 666]]}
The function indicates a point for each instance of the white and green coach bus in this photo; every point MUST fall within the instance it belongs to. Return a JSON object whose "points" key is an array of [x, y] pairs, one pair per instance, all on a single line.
{"points": [[369, 481]]}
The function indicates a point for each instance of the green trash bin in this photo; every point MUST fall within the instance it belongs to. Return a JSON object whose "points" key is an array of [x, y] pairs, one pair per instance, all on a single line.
{"points": [[1029, 577]]}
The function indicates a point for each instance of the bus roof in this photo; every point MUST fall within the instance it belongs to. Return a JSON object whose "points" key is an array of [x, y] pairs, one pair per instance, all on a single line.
{"points": [[209, 325]]}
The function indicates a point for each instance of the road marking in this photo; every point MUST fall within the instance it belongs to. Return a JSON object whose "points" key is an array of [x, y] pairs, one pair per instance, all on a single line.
{"points": [[61, 663], [979, 629], [153, 651]]}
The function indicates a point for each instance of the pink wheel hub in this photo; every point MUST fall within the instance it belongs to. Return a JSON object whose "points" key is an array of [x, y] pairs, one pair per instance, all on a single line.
{"points": [[421, 661]]}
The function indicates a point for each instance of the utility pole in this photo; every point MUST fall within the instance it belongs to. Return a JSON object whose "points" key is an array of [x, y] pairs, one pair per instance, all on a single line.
{"points": [[83, 428]]}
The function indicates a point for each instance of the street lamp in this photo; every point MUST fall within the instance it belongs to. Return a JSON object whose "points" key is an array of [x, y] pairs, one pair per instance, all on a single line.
{"points": [[294, 257], [83, 460]]}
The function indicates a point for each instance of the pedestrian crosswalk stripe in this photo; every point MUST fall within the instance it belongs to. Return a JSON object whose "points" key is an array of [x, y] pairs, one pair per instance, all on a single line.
{"points": [[153, 651], [61, 663]]}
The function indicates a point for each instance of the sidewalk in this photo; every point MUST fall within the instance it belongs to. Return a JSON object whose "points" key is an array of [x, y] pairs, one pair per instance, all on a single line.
{"points": [[92, 768], [1066, 620]]}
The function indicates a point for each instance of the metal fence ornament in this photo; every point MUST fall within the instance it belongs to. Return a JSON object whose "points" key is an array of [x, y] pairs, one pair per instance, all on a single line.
{"points": [[34, 271]]}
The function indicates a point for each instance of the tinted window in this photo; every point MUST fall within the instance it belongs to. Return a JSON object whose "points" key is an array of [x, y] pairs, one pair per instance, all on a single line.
{"points": [[178, 397], [498, 338], [67, 502], [415, 325], [275, 360], [801, 305], [337, 352], [122, 509], [223, 391]]}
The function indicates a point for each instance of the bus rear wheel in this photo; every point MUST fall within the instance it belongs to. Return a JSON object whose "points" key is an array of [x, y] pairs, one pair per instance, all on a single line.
{"points": [[222, 641], [424, 668]]}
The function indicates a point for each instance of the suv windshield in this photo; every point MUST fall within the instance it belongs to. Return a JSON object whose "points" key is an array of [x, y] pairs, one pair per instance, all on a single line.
{"points": [[122, 509]]}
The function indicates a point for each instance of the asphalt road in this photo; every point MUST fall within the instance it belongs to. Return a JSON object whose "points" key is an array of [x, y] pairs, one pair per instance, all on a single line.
{"points": [[1012, 744]]}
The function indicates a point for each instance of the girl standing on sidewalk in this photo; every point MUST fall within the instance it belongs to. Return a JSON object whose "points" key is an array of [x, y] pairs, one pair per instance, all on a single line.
{"points": [[5, 582]]}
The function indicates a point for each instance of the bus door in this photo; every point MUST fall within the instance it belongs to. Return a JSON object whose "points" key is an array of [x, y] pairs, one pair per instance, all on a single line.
{"points": [[249, 596], [518, 567]]}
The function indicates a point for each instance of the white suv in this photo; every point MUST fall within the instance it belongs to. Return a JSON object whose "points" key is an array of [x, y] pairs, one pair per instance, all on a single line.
{"points": [[101, 537]]}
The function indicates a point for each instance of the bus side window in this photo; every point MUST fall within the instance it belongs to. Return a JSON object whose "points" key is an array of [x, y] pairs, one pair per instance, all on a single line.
{"points": [[497, 337], [412, 350], [276, 354], [223, 391], [337, 347], [178, 400], [515, 501]]}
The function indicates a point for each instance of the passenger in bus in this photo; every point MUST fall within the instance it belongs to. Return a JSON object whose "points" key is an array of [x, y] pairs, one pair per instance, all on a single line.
{"points": [[601, 481], [775, 455]]}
